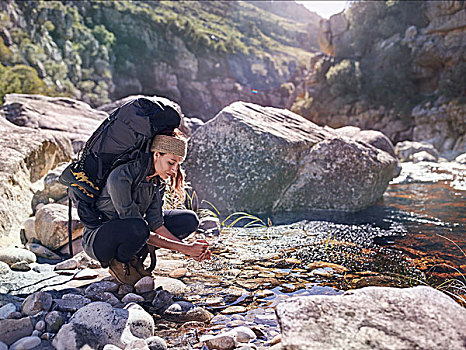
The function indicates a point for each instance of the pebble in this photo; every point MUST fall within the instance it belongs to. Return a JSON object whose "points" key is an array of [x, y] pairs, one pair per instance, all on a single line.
{"points": [[144, 285], [125, 289], [69, 264], [100, 287], [86, 274], [222, 341], [234, 310], [53, 321], [36, 333], [214, 301], [25, 343], [220, 319], [21, 266], [244, 334], [36, 302], [178, 273], [7, 310], [131, 297], [156, 343], [40, 326]]}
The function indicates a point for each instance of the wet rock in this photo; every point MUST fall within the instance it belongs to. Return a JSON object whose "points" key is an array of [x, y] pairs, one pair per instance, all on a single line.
{"points": [[7, 310], [178, 273], [182, 311], [12, 255], [156, 343], [99, 323], [100, 287], [223, 341], [53, 321], [52, 225], [219, 319], [281, 161], [131, 297], [12, 330], [244, 334], [214, 301], [20, 266], [323, 264], [37, 302], [69, 264], [371, 318], [145, 284], [26, 343], [42, 251], [234, 310], [171, 285]]}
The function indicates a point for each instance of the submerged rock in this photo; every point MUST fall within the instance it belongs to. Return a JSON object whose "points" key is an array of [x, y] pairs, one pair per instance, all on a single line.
{"points": [[372, 318], [265, 159]]}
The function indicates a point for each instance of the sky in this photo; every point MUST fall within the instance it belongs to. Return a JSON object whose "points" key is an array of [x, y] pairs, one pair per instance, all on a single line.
{"points": [[324, 8]]}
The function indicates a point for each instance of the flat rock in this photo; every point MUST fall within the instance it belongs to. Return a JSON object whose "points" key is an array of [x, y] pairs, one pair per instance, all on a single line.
{"points": [[234, 310], [37, 302], [26, 343], [12, 330], [42, 251], [69, 264], [86, 274], [178, 273], [13, 255], [171, 285], [373, 318]]}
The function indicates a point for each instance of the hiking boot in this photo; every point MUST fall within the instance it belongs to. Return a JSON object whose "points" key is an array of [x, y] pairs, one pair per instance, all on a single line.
{"points": [[124, 273], [138, 264]]}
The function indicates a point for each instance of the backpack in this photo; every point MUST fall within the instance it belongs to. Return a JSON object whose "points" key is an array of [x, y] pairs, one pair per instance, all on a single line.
{"points": [[124, 136]]}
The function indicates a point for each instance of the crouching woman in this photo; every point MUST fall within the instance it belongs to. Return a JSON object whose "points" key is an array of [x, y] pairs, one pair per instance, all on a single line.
{"points": [[135, 215]]}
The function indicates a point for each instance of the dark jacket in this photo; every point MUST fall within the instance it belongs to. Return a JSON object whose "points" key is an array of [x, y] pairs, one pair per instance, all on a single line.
{"points": [[120, 200]]}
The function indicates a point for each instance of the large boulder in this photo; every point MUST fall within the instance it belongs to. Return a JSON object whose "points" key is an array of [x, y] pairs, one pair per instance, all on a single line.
{"points": [[61, 115], [98, 323], [373, 318], [27, 155], [262, 159]]}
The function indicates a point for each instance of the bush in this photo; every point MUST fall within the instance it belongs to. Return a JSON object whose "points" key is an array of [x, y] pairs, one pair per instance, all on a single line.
{"points": [[20, 79], [344, 79]]}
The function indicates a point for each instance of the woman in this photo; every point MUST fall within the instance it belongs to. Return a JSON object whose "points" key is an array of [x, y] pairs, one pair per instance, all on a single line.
{"points": [[135, 215]]}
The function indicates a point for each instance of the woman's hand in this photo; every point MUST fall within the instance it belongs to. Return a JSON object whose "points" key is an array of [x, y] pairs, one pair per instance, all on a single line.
{"points": [[199, 250]]}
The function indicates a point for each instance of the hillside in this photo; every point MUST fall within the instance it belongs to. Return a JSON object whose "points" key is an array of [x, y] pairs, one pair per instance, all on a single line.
{"points": [[203, 55]]}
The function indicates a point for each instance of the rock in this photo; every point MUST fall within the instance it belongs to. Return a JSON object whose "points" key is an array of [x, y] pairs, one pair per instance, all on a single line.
{"points": [[131, 297], [371, 318], [15, 255], [3, 346], [137, 344], [12, 330], [406, 149], [268, 319], [100, 287], [178, 273], [86, 274], [162, 300], [73, 119], [77, 248], [20, 266], [71, 302], [42, 251], [40, 326], [423, 156], [372, 137], [4, 268], [234, 310], [223, 341], [22, 164], [110, 298], [85, 260], [156, 343], [69, 264], [53, 321], [182, 311], [26, 343], [37, 302], [110, 347], [53, 190], [267, 159], [244, 334], [323, 264], [145, 284], [125, 289], [174, 286], [29, 229], [52, 225], [98, 323], [6, 310], [461, 159]]}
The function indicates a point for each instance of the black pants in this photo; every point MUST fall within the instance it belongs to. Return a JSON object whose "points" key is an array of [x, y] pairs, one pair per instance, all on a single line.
{"points": [[124, 238]]}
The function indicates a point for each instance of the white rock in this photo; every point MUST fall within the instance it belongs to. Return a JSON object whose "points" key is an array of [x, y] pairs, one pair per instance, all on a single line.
{"points": [[4, 268], [244, 334], [111, 347], [13, 255], [156, 343], [25, 343], [6, 310], [145, 284], [137, 344], [171, 285]]}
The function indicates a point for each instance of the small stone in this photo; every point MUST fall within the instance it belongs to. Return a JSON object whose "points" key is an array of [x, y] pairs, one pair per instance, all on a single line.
{"points": [[40, 326], [234, 310], [223, 341], [110, 347], [34, 303], [69, 264], [53, 321], [293, 261], [219, 319], [20, 266], [275, 340], [178, 273], [214, 301], [125, 289], [46, 336], [183, 311], [268, 319], [238, 318], [244, 334], [42, 251], [137, 344], [131, 297], [86, 274], [26, 343], [110, 298], [145, 284], [99, 287], [162, 300], [156, 343], [36, 333], [7, 310]]}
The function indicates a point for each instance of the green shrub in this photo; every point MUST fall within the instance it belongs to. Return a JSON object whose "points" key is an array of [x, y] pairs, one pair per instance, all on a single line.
{"points": [[20, 79], [104, 36], [344, 79], [6, 56]]}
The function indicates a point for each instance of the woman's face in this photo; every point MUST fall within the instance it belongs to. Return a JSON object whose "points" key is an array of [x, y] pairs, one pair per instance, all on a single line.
{"points": [[166, 165]]}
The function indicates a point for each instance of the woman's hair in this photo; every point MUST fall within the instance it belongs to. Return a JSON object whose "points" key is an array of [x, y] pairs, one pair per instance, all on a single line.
{"points": [[177, 181]]}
